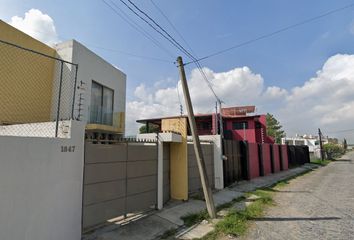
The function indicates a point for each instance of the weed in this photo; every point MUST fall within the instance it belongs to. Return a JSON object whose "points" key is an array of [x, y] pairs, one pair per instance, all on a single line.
{"points": [[320, 162], [168, 234], [191, 219]]}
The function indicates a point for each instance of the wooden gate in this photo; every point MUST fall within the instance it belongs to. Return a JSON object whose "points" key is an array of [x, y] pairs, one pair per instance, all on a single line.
{"points": [[235, 165]]}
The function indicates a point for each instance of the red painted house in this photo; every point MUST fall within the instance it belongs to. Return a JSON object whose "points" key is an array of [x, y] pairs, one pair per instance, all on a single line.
{"points": [[237, 124]]}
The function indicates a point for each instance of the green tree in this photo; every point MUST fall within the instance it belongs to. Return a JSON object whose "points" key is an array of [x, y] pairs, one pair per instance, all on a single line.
{"points": [[333, 150], [153, 128], [274, 129]]}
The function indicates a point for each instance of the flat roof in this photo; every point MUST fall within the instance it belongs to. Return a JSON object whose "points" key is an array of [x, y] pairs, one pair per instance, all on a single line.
{"points": [[158, 120]]}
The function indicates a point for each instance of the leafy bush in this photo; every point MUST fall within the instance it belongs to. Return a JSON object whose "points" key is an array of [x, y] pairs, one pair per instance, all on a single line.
{"points": [[333, 150]]}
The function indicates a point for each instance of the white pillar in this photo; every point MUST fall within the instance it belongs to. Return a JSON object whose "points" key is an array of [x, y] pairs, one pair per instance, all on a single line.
{"points": [[159, 173]]}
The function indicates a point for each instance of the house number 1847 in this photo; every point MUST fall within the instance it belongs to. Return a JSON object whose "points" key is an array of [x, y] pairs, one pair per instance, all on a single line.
{"points": [[67, 148]]}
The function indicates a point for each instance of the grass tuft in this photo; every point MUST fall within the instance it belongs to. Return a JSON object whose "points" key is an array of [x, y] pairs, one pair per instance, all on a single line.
{"points": [[191, 219], [235, 223], [320, 162]]}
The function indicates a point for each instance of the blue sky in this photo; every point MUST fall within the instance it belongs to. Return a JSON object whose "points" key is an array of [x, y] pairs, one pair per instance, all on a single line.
{"points": [[287, 60]]}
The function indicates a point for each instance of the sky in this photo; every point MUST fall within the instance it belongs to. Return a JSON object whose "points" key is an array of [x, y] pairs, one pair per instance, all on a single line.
{"points": [[303, 76]]}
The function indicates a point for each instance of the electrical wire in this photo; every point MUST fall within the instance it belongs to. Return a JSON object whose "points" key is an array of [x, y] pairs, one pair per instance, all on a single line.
{"points": [[172, 25], [136, 26], [162, 31], [339, 131], [169, 38], [275, 32], [130, 54], [106, 49]]}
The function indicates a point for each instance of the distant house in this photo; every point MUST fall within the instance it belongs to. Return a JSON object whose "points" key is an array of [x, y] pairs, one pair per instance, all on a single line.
{"points": [[311, 141], [237, 125]]}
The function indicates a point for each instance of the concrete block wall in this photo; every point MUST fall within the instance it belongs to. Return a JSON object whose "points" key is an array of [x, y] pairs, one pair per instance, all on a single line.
{"points": [[194, 184], [41, 186], [119, 178]]}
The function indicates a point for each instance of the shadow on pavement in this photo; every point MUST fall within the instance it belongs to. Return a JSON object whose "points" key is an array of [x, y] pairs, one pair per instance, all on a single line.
{"points": [[294, 218], [342, 160], [285, 191]]}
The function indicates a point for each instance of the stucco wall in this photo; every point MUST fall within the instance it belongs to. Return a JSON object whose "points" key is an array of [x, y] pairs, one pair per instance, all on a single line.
{"points": [[41, 187], [94, 68], [26, 78], [178, 158]]}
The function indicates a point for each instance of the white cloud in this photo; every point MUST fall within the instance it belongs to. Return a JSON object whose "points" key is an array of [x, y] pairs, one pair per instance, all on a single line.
{"points": [[325, 101], [274, 92], [38, 25]]}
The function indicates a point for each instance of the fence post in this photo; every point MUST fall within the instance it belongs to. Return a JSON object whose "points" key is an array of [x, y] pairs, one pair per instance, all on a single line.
{"points": [[160, 172], [74, 93], [126, 180], [59, 99]]}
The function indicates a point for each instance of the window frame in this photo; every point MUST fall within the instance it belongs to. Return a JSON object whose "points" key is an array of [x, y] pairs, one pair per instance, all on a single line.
{"points": [[102, 88], [244, 125]]}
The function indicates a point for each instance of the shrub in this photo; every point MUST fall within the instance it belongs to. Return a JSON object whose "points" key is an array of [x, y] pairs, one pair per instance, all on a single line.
{"points": [[333, 150]]}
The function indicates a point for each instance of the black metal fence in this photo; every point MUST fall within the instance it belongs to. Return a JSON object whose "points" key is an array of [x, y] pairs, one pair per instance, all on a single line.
{"points": [[37, 92], [239, 159], [298, 155]]}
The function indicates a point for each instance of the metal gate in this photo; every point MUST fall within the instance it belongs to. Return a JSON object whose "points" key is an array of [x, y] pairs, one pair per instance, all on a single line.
{"points": [[119, 178], [235, 165]]}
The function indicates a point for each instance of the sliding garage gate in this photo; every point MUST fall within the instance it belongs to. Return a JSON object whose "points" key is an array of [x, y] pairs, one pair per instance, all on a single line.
{"points": [[119, 178]]}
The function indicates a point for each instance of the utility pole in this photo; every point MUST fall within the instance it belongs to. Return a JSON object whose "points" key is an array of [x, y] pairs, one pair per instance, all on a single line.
{"points": [[321, 147], [197, 147], [220, 121], [244, 131], [216, 119]]}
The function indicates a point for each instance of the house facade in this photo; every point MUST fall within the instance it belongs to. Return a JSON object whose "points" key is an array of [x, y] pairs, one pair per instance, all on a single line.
{"points": [[237, 125], [104, 86], [46, 84]]}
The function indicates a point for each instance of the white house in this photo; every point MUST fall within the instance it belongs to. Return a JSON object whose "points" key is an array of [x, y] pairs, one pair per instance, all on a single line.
{"points": [[102, 102]]}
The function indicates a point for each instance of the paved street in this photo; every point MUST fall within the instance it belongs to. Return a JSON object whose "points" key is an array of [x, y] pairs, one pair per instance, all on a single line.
{"points": [[318, 205]]}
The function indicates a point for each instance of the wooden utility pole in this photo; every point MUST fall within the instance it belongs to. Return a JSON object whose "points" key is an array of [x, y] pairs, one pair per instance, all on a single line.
{"points": [[321, 147], [216, 119], [197, 147], [220, 121]]}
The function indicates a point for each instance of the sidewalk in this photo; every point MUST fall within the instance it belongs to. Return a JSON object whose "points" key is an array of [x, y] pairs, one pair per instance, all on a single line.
{"points": [[158, 222]]}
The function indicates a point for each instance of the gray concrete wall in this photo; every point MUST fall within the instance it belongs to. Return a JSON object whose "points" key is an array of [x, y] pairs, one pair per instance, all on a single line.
{"points": [[119, 178], [194, 184], [41, 186]]}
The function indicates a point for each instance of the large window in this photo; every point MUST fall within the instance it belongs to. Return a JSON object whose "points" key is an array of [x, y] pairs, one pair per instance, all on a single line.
{"points": [[101, 104], [239, 125]]}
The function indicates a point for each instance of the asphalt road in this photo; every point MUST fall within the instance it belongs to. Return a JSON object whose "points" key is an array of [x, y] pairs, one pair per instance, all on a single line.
{"points": [[318, 205]]}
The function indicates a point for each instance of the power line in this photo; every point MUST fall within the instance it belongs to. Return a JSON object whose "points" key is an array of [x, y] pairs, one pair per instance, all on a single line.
{"points": [[183, 39], [136, 26], [162, 31], [169, 38], [130, 54], [104, 48], [339, 131], [275, 32], [172, 25]]}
